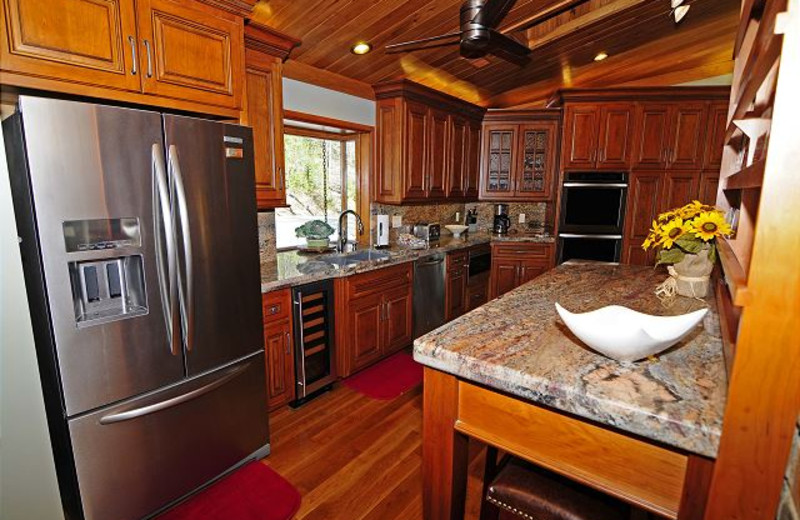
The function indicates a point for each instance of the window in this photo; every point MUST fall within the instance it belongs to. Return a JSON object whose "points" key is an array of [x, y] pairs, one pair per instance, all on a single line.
{"points": [[321, 182]]}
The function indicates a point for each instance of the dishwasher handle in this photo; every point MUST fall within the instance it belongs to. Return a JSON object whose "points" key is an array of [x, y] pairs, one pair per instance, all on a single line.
{"points": [[436, 261]]}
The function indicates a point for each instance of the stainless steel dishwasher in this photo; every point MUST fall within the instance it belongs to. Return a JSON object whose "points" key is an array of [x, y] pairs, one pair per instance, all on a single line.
{"points": [[429, 309]]}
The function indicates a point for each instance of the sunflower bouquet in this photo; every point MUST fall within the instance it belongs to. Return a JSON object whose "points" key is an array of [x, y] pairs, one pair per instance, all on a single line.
{"points": [[687, 230]]}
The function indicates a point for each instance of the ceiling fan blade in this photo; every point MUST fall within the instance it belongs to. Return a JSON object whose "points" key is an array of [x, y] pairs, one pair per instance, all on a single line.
{"points": [[508, 49], [492, 12], [425, 43]]}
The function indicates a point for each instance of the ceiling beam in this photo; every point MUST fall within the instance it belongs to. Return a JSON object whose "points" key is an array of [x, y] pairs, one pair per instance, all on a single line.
{"points": [[299, 71], [545, 14]]}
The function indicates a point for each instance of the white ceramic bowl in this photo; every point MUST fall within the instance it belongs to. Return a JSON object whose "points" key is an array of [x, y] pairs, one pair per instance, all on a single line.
{"points": [[456, 229], [626, 335]]}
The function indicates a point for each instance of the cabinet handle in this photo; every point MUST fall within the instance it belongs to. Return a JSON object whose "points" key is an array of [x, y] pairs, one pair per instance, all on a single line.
{"points": [[134, 65], [149, 59], [288, 342], [281, 178]]}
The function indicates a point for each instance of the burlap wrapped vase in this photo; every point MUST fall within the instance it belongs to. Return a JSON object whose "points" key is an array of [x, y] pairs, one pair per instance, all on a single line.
{"points": [[692, 274]]}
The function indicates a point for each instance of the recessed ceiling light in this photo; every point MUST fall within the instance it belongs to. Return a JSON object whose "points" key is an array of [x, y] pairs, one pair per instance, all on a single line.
{"points": [[361, 48], [600, 56]]}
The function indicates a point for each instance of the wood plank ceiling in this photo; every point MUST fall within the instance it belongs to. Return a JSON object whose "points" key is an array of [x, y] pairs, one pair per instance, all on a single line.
{"points": [[645, 46]]}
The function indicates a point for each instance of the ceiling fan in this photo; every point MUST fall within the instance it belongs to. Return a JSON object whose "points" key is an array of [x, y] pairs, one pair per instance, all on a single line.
{"points": [[478, 35]]}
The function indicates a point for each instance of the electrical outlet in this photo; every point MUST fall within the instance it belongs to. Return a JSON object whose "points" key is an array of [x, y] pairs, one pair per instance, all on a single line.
{"points": [[397, 221], [522, 218]]}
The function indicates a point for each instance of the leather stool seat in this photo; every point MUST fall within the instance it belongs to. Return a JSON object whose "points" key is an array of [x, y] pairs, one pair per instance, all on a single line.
{"points": [[534, 493]]}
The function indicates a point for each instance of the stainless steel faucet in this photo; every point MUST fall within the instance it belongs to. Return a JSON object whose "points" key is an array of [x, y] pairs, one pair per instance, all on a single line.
{"points": [[342, 237]]}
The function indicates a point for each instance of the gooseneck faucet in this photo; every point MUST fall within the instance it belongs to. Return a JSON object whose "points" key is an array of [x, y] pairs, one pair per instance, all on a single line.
{"points": [[342, 236]]}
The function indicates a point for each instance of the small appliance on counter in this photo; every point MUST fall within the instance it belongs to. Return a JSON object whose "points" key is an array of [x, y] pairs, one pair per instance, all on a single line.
{"points": [[428, 232], [471, 220], [382, 231], [502, 222]]}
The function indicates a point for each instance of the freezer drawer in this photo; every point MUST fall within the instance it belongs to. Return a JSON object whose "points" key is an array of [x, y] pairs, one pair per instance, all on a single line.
{"points": [[134, 458]]}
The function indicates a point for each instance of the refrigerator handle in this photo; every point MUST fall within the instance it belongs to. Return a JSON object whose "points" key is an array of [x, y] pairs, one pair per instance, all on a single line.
{"points": [[166, 273], [127, 415], [185, 295]]}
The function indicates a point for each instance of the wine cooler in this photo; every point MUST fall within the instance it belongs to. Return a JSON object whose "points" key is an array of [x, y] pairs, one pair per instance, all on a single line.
{"points": [[314, 339]]}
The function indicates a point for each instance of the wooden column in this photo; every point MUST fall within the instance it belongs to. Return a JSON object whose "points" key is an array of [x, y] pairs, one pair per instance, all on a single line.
{"points": [[444, 451]]}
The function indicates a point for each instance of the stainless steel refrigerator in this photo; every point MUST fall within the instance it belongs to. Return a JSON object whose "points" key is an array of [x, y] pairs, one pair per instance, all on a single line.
{"points": [[140, 250]]}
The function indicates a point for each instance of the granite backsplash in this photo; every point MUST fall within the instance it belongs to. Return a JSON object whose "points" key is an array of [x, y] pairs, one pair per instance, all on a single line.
{"points": [[790, 498], [266, 237]]}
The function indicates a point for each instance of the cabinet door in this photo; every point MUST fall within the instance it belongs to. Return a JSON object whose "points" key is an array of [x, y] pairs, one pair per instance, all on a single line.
{"points": [[456, 291], [715, 136], [644, 203], [365, 318], [438, 154], [459, 150], [709, 185], [280, 363], [687, 136], [580, 137], [652, 136], [85, 41], [477, 295], [529, 270], [472, 158], [537, 162], [499, 161], [191, 53], [415, 160], [680, 187], [389, 152], [264, 109], [616, 136], [505, 276], [398, 327]]}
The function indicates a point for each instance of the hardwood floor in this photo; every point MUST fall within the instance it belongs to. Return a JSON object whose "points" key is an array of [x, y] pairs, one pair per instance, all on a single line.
{"points": [[356, 458]]}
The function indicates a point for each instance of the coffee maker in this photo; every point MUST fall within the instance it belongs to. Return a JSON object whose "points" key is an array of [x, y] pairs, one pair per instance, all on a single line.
{"points": [[501, 220]]}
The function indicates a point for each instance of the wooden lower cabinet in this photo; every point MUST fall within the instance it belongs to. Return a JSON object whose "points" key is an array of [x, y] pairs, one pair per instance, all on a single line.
{"points": [[278, 346], [374, 317], [478, 292], [456, 284], [516, 263]]}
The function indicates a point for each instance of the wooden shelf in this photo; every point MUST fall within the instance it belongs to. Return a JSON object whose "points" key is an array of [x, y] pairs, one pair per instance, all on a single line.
{"points": [[750, 177], [735, 277], [750, 9]]}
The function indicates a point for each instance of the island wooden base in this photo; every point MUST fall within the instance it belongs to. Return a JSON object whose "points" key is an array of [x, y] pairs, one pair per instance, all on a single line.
{"points": [[656, 478]]}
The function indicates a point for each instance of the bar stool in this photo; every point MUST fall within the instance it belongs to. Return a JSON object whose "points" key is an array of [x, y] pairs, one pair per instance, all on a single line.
{"points": [[527, 491]]}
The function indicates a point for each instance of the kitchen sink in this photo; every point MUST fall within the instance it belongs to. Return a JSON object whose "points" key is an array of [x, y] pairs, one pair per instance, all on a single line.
{"points": [[344, 260]]}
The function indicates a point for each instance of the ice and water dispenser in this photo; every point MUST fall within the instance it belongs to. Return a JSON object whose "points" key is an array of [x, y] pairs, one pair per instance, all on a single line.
{"points": [[106, 286]]}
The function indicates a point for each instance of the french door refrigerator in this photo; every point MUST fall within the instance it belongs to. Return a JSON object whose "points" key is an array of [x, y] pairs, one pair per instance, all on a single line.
{"points": [[140, 250]]}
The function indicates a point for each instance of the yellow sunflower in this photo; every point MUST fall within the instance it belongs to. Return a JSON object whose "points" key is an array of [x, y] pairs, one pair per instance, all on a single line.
{"points": [[667, 216], [709, 224], [672, 231]]}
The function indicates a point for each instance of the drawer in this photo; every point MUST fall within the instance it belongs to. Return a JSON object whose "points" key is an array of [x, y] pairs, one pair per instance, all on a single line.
{"points": [[378, 280], [529, 250], [276, 305], [457, 259]]}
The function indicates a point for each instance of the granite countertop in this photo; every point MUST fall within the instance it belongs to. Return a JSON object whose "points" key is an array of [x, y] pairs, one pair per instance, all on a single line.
{"points": [[519, 345], [294, 268]]}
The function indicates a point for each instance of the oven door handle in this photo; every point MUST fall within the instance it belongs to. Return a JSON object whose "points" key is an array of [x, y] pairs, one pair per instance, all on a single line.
{"points": [[595, 185], [601, 237]]}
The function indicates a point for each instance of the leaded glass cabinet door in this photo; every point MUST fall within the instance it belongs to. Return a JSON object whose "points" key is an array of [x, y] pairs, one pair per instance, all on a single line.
{"points": [[499, 161], [537, 158]]}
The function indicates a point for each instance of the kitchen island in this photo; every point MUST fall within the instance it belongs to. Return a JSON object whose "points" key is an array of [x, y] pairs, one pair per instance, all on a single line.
{"points": [[512, 375]]}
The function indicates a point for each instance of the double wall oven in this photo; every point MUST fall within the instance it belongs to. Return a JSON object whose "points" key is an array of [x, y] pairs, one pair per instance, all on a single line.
{"points": [[592, 216]]}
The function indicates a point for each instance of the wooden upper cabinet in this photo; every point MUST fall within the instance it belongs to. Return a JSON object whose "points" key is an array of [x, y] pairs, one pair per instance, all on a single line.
{"points": [[519, 158], [652, 135], [425, 145], [263, 110], [687, 135], [715, 135], [84, 41], [439, 157], [417, 166], [191, 53], [581, 123], [499, 161], [457, 172], [615, 136], [472, 158], [537, 156]]}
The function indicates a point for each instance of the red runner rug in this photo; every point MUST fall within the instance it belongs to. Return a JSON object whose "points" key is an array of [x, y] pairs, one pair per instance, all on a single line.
{"points": [[252, 492], [388, 379]]}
